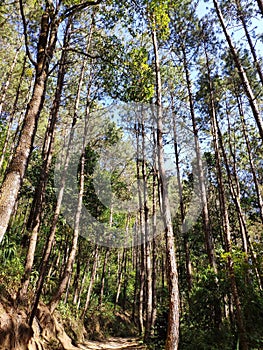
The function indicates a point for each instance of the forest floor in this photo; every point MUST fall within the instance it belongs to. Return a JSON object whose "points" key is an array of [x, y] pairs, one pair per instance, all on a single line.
{"points": [[113, 344]]}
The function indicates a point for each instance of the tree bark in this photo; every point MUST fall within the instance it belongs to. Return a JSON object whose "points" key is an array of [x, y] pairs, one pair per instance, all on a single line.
{"points": [[172, 340], [103, 275], [92, 279], [188, 264], [36, 212], [16, 171]]}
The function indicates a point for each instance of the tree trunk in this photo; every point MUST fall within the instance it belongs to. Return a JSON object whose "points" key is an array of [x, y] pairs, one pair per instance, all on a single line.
{"points": [[16, 171], [154, 233], [141, 228], [120, 276], [188, 264], [206, 223], [242, 73], [69, 265], [226, 226], [92, 279], [103, 275], [8, 80], [82, 284], [11, 118], [251, 161], [241, 14], [172, 340], [36, 214]]}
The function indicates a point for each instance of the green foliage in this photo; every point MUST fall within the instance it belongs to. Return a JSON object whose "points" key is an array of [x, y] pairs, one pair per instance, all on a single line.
{"points": [[103, 322], [159, 17], [12, 266], [140, 88]]}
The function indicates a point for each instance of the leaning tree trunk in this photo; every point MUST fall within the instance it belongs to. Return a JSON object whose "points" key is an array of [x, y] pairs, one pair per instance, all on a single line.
{"points": [[242, 73], [251, 160], [16, 171], [35, 216], [241, 13]]}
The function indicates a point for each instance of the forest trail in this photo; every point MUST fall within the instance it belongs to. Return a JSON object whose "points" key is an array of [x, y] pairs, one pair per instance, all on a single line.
{"points": [[113, 344]]}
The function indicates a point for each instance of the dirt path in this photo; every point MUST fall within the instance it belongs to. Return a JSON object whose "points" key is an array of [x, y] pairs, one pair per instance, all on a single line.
{"points": [[113, 344]]}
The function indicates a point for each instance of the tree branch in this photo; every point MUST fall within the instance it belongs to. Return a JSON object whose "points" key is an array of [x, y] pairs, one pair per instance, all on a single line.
{"points": [[73, 9], [25, 34], [82, 53]]}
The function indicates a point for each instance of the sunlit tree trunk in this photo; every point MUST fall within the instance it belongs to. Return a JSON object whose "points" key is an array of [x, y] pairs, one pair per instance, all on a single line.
{"points": [[121, 271], [141, 230], [16, 170], [11, 118], [172, 340], [36, 212], [91, 282], [188, 264], [103, 275]]}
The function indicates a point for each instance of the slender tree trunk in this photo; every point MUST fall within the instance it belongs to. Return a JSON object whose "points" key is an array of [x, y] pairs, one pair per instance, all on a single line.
{"points": [[208, 235], [154, 233], [103, 275], [234, 185], [251, 161], [76, 281], [82, 285], [188, 264], [120, 276], [226, 228], [172, 340], [141, 230], [19, 122], [146, 246], [11, 119], [241, 13], [91, 283], [242, 73], [136, 283], [69, 265], [35, 216], [8, 80]]}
